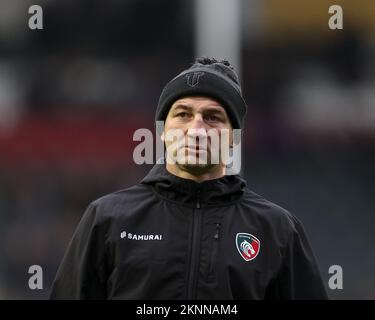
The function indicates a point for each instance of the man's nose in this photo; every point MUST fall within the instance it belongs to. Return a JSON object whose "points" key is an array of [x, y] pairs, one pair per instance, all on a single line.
{"points": [[197, 130], [198, 122]]}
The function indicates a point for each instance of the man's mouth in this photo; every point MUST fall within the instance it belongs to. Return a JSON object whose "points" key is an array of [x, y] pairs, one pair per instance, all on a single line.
{"points": [[196, 149]]}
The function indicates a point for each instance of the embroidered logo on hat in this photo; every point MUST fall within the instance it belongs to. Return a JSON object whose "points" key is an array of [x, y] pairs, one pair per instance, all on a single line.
{"points": [[192, 79]]}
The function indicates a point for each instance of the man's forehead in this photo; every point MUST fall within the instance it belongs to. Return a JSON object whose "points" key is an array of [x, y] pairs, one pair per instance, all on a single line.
{"points": [[196, 102]]}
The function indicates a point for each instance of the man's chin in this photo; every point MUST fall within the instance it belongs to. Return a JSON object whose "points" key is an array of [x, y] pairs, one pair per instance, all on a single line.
{"points": [[197, 169]]}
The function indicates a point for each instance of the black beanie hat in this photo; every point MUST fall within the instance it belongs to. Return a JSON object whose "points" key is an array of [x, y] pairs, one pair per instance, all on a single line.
{"points": [[206, 77]]}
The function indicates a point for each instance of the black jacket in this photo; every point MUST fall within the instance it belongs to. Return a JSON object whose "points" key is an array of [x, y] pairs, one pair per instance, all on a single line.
{"points": [[173, 238]]}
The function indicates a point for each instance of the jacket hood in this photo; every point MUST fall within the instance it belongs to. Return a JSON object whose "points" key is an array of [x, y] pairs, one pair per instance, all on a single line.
{"points": [[218, 191]]}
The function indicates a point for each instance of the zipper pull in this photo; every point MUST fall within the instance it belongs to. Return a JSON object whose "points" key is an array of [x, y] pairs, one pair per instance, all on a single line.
{"points": [[198, 204], [216, 236]]}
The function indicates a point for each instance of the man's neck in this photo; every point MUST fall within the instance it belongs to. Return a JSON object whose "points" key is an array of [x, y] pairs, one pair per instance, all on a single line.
{"points": [[215, 173]]}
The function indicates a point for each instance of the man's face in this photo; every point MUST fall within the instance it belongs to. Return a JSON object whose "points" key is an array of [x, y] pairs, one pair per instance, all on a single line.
{"points": [[199, 119]]}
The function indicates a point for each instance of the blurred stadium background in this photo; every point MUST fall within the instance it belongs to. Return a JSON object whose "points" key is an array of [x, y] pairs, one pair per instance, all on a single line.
{"points": [[72, 95]]}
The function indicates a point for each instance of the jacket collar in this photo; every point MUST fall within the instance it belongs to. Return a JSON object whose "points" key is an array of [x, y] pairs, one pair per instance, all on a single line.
{"points": [[218, 191]]}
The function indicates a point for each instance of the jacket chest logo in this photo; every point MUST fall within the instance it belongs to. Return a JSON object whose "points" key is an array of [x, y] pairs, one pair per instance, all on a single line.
{"points": [[140, 237], [247, 245]]}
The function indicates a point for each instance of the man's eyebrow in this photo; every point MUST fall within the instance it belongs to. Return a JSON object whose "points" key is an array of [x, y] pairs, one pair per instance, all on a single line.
{"points": [[187, 107], [214, 110], [182, 106]]}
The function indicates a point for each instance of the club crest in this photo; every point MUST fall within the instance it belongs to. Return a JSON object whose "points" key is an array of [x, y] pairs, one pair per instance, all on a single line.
{"points": [[247, 245]]}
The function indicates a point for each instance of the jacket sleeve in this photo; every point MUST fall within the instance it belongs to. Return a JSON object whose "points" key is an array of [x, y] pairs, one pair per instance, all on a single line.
{"points": [[81, 274], [299, 276]]}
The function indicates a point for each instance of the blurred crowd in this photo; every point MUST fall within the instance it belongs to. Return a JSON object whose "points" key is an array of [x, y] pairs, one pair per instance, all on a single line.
{"points": [[72, 94]]}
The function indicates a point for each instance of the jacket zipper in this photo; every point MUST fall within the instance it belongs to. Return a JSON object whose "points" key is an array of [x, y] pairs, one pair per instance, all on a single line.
{"points": [[194, 258], [214, 252]]}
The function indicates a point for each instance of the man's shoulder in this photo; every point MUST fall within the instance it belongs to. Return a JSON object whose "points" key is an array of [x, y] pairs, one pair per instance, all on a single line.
{"points": [[269, 211], [121, 199]]}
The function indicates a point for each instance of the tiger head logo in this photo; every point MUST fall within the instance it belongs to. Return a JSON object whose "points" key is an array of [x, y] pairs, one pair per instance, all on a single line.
{"points": [[247, 245]]}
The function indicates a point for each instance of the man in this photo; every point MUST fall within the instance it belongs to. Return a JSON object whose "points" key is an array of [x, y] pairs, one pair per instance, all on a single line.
{"points": [[189, 230]]}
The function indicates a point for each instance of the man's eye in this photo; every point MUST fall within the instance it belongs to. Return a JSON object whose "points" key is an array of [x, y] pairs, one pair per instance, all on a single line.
{"points": [[212, 118], [182, 114]]}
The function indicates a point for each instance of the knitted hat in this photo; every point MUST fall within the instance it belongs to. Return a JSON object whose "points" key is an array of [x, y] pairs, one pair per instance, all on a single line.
{"points": [[206, 77]]}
